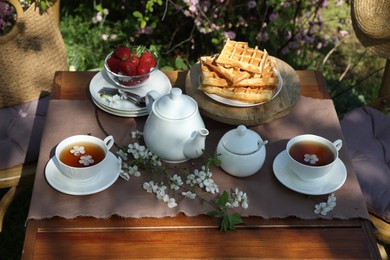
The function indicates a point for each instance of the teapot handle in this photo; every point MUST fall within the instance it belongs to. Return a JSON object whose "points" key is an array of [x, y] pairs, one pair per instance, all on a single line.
{"points": [[151, 96]]}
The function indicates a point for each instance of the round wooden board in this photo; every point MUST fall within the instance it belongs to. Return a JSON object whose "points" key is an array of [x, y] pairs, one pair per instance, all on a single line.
{"points": [[278, 107]]}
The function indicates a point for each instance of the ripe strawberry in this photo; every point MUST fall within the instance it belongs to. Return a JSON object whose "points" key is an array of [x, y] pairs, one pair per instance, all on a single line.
{"points": [[148, 58], [128, 68], [122, 53], [134, 59], [143, 68], [113, 64]]}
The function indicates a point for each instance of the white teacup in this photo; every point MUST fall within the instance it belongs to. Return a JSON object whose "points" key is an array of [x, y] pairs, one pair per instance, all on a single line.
{"points": [[311, 157], [82, 157]]}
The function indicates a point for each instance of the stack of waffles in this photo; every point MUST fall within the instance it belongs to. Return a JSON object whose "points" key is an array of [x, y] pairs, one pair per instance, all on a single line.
{"points": [[239, 72]]}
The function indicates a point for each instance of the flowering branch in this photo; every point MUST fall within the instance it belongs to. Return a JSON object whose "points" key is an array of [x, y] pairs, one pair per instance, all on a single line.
{"points": [[187, 184]]}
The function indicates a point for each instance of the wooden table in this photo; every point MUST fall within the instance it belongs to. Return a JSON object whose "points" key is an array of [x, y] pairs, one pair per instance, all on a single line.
{"points": [[194, 237]]}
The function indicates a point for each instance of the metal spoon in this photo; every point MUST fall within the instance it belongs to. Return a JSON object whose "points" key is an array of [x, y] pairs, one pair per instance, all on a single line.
{"points": [[136, 99]]}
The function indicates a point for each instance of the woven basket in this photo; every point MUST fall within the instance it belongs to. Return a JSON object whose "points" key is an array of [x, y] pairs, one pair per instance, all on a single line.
{"points": [[371, 23], [30, 55]]}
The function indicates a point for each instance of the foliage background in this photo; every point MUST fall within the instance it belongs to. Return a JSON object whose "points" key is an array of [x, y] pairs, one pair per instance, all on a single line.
{"points": [[307, 34]]}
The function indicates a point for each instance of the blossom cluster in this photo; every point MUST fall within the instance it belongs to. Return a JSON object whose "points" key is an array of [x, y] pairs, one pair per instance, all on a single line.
{"points": [[238, 198], [203, 179], [142, 157], [160, 191], [324, 208]]}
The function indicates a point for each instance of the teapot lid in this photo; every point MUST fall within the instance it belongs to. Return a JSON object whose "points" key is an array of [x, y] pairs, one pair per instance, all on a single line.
{"points": [[176, 105], [242, 141]]}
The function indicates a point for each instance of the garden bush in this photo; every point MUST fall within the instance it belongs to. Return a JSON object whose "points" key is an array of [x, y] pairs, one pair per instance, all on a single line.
{"points": [[307, 34]]}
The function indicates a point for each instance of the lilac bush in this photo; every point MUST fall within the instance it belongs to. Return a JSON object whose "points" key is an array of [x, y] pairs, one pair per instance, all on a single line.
{"points": [[307, 34], [7, 17]]}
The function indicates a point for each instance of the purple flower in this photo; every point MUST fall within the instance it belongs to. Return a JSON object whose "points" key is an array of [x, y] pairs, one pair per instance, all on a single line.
{"points": [[231, 35], [273, 17]]}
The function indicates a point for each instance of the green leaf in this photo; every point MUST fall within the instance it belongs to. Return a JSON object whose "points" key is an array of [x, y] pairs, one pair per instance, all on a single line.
{"points": [[99, 8], [234, 219], [223, 199], [180, 64], [225, 224], [213, 213], [137, 14], [230, 221]]}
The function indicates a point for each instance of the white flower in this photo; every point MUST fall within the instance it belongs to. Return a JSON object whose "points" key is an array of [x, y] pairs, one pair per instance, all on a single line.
{"points": [[311, 158], [238, 198], [86, 160], [172, 203], [331, 201], [136, 134], [122, 94], [77, 150], [189, 194], [134, 171], [324, 208], [122, 155], [148, 186], [113, 101], [176, 182]]}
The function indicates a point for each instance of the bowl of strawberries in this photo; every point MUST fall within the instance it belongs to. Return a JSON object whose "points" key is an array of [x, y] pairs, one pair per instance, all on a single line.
{"points": [[128, 66]]}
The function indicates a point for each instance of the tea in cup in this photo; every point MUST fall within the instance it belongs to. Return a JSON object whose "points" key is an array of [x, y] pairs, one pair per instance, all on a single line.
{"points": [[82, 157], [311, 157]]}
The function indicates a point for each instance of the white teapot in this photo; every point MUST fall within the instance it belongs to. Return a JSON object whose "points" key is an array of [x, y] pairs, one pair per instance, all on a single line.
{"points": [[174, 129], [241, 151]]}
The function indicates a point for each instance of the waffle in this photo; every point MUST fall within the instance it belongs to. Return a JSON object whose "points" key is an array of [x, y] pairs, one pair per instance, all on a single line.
{"points": [[230, 74], [244, 94], [239, 54]]}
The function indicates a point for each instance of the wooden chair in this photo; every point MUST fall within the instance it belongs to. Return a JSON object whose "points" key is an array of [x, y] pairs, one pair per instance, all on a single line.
{"points": [[18, 168], [12, 178]]}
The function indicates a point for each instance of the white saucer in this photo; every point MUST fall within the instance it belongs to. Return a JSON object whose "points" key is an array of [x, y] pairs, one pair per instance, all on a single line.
{"points": [[157, 81], [65, 185], [330, 183], [237, 103], [121, 113]]}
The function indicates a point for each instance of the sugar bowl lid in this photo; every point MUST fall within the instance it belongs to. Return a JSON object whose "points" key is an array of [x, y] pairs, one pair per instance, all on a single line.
{"points": [[242, 141]]}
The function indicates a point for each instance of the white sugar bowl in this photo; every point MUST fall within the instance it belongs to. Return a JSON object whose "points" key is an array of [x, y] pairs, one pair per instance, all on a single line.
{"points": [[241, 151]]}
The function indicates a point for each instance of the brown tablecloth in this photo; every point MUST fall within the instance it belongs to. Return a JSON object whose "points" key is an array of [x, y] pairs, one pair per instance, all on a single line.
{"points": [[268, 198]]}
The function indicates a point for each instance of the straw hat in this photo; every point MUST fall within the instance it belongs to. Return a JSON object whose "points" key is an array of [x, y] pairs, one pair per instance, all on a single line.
{"points": [[371, 23]]}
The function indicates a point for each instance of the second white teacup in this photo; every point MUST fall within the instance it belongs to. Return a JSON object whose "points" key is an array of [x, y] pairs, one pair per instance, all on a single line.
{"points": [[82, 157], [311, 157]]}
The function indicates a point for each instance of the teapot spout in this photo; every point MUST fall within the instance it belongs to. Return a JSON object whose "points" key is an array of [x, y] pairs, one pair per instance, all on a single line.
{"points": [[193, 147]]}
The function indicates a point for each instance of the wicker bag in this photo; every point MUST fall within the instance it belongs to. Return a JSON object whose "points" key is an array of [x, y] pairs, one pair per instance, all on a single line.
{"points": [[29, 56]]}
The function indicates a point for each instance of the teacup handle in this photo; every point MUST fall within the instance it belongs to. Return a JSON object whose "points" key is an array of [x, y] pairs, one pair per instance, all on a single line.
{"points": [[109, 142], [338, 144]]}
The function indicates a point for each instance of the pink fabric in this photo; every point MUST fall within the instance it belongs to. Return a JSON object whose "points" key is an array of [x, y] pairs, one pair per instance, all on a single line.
{"points": [[268, 198], [21, 129], [367, 136]]}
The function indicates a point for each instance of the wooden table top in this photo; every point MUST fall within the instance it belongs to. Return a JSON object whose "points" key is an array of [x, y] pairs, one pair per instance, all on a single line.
{"points": [[194, 237]]}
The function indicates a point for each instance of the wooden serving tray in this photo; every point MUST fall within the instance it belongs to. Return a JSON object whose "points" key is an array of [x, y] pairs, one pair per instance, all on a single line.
{"points": [[278, 107]]}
